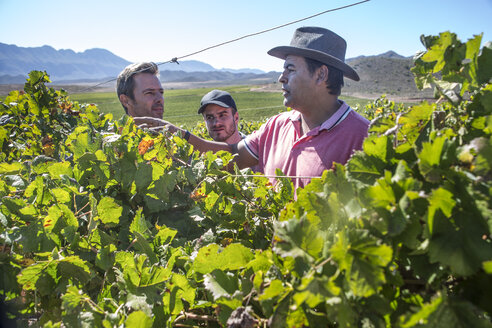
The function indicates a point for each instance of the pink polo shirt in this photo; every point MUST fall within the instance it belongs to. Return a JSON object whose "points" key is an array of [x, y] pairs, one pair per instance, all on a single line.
{"points": [[279, 144]]}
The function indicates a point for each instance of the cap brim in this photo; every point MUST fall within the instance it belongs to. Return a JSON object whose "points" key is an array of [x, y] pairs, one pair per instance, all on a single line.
{"points": [[216, 102], [283, 51]]}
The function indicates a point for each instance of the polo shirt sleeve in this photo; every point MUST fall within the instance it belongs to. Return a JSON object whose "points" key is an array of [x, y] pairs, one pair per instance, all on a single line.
{"points": [[253, 142]]}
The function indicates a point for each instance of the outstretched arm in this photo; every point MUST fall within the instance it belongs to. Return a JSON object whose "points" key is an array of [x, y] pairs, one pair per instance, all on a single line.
{"points": [[243, 158]]}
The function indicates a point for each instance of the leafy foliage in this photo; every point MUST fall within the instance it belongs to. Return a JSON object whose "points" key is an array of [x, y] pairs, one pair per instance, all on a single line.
{"points": [[104, 224]]}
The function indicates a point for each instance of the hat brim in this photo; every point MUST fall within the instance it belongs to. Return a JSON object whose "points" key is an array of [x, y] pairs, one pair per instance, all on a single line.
{"points": [[283, 51], [216, 102]]}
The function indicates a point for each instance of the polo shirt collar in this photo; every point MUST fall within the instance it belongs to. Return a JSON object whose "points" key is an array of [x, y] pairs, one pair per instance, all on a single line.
{"points": [[330, 123]]}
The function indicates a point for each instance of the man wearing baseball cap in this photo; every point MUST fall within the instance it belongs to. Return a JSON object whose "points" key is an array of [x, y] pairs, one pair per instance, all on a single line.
{"points": [[319, 130], [220, 115]]}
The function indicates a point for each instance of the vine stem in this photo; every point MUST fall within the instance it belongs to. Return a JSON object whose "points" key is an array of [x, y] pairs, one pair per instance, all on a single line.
{"points": [[82, 214], [77, 211], [192, 316], [180, 161], [131, 244], [247, 298], [322, 263]]}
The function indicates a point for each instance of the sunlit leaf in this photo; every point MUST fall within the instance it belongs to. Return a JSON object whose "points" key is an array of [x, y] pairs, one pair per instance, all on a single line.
{"points": [[440, 199], [109, 211], [138, 319]]}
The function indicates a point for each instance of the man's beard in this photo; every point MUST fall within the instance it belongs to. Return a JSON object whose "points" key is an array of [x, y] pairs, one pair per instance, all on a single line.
{"points": [[228, 133]]}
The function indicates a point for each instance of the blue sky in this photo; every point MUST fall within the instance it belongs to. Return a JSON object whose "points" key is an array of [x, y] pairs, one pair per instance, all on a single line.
{"points": [[160, 30]]}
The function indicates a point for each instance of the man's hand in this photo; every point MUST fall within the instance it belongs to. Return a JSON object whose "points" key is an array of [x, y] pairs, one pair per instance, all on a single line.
{"points": [[154, 124]]}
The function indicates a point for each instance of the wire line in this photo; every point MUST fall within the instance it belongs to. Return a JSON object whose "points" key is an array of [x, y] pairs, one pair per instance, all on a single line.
{"points": [[175, 59], [273, 176], [265, 31]]}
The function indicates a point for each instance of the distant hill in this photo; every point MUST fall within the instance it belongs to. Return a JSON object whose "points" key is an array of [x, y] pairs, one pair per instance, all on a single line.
{"points": [[243, 70], [60, 64], [217, 75], [387, 54], [388, 73], [187, 66]]}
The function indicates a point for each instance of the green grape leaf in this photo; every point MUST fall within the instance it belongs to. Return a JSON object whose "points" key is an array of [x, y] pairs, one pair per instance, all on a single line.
{"points": [[276, 288], [379, 147], [179, 290], [138, 319], [440, 199], [61, 195], [73, 267], [207, 258], [139, 273], [298, 238], [56, 170], [433, 158], [262, 261], [154, 275], [446, 311], [363, 259], [3, 136], [381, 194], [29, 276], [143, 176], [463, 250], [211, 199], [81, 142], [436, 53], [233, 257], [472, 50], [365, 168], [37, 190], [164, 236], [109, 211], [33, 238], [221, 284], [296, 318], [127, 263], [104, 260], [73, 298], [10, 169], [41, 163], [139, 224], [487, 266], [484, 60], [187, 291]]}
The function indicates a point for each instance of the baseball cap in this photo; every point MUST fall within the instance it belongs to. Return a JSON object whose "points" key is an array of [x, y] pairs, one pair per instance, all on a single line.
{"points": [[218, 97]]}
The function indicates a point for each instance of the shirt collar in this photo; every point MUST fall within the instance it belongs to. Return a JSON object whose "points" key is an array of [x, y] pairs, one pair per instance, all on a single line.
{"points": [[294, 115], [337, 117], [334, 120]]}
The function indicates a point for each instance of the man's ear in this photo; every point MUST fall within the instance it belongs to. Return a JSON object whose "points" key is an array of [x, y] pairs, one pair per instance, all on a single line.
{"points": [[322, 74], [125, 100], [236, 117]]}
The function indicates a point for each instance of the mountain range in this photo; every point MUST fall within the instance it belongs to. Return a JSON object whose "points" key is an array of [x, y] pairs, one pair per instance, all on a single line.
{"points": [[387, 73], [94, 64]]}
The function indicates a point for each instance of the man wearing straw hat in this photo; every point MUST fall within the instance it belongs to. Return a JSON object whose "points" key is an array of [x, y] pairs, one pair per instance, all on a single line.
{"points": [[319, 130]]}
